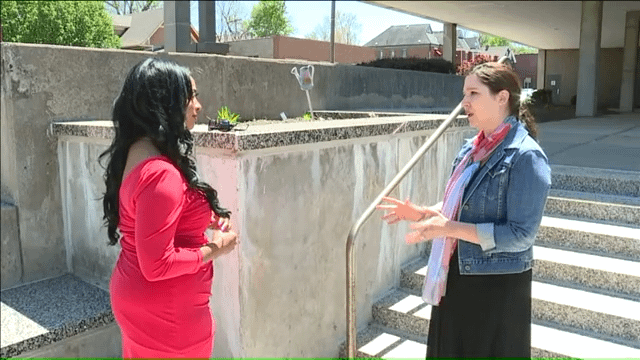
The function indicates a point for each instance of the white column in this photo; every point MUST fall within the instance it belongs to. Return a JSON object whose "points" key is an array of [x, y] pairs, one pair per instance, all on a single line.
{"points": [[541, 69], [449, 42], [629, 61], [590, 37]]}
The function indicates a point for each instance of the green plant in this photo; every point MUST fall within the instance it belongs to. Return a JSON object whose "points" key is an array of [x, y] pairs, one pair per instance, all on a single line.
{"points": [[307, 116], [225, 114], [68, 23]]}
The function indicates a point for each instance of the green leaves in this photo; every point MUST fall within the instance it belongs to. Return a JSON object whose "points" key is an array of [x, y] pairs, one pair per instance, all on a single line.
{"points": [[74, 23], [268, 18], [225, 114]]}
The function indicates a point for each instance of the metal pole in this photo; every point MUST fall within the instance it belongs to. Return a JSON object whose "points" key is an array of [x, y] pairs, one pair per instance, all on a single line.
{"points": [[351, 264], [332, 46], [309, 100]]}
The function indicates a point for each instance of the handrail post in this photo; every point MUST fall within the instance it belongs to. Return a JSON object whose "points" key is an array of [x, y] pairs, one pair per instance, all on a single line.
{"points": [[351, 264]]}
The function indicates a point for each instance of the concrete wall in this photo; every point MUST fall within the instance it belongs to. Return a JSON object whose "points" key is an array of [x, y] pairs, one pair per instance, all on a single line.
{"points": [[282, 293], [261, 48], [10, 253], [565, 63], [42, 83]]}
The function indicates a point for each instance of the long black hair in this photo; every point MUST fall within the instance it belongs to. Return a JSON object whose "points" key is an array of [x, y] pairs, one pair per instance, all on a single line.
{"points": [[152, 104]]}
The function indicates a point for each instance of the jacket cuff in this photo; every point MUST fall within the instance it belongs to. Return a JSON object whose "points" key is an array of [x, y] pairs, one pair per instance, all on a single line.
{"points": [[485, 236]]}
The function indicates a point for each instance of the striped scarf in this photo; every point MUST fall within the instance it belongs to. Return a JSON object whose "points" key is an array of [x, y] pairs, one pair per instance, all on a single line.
{"points": [[442, 249]]}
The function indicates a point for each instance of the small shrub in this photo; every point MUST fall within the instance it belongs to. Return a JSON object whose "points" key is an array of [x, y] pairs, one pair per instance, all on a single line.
{"points": [[225, 114], [466, 66], [541, 97]]}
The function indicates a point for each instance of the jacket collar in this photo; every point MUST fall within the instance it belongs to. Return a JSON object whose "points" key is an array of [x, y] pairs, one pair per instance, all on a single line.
{"points": [[513, 140]]}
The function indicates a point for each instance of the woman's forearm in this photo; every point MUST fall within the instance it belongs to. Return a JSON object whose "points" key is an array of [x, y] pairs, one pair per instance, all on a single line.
{"points": [[461, 230]]}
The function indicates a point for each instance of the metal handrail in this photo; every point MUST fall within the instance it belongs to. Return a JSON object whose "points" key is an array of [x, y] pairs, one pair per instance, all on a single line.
{"points": [[351, 279]]}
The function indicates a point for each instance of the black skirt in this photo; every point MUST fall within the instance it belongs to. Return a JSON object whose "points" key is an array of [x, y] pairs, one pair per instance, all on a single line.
{"points": [[482, 316]]}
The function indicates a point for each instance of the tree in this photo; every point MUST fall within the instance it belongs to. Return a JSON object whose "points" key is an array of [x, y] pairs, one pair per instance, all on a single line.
{"points": [[491, 40], [268, 17], [130, 7], [523, 49], [75, 23], [347, 29], [230, 21]]}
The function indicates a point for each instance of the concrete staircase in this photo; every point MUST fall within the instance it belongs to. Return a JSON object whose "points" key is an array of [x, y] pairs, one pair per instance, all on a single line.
{"points": [[586, 279]]}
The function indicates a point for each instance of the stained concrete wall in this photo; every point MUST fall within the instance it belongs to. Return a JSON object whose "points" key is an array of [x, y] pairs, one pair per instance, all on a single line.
{"points": [[11, 257], [565, 63], [42, 83], [282, 293]]}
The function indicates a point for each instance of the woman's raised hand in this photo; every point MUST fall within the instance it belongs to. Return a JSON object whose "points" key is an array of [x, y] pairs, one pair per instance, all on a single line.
{"points": [[219, 223], [399, 210]]}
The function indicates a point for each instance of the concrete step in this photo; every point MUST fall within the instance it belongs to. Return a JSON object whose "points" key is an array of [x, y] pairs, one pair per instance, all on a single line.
{"points": [[601, 181], [10, 251], [377, 341], [403, 310], [622, 210], [611, 318], [605, 317], [388, 343], [58, 317], [599, 316], [586, 236], [601, 274]]}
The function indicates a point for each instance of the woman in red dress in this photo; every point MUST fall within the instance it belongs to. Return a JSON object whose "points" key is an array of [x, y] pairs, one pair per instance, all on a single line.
{"points": [[161, 284]]}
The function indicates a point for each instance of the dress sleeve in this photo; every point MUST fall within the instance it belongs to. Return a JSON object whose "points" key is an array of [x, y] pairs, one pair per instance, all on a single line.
{"points": [[529, 184], [159, 201]]}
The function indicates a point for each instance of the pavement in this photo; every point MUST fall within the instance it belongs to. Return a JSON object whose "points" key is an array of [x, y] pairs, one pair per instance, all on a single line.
{"points": [[605, 142]]}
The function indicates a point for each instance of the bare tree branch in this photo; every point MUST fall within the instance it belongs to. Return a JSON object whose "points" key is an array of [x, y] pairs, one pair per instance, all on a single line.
{"points": [[125, 7]]}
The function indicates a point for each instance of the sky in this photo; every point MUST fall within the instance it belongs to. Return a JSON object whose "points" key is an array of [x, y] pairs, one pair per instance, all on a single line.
{"points": [[306, 15]]}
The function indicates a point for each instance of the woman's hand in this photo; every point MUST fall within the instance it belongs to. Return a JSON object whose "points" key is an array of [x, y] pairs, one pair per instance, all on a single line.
{"points": [[223, 238], [219, 223], [406, 210], [220, 243], [435, 226]]}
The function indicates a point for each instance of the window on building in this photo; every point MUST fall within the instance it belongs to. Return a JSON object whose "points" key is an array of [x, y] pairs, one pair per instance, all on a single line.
{"points": [[404, 53], [393, 53], [381, 54]]}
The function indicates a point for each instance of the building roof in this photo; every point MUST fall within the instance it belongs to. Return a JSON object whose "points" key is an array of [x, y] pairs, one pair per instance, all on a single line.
{"points": [[142, 26], [120, 23], [404, 35], [419, 34]]}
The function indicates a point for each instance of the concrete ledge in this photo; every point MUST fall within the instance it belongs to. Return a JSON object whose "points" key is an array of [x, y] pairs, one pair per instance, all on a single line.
{"points": [[49, 311], [10, 251], [102, 342], [267, 134]]}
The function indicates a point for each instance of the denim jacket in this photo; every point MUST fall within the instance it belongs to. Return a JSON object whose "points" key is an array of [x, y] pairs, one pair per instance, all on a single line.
{"points": [[505, 199]]}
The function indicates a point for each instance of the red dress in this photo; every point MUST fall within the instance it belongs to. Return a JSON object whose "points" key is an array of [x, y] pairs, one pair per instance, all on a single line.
{"points": [[160, 288]]}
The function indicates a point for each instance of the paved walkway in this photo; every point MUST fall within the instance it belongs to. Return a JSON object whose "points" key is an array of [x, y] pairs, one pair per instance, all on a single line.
{"points": [[605, 142]]}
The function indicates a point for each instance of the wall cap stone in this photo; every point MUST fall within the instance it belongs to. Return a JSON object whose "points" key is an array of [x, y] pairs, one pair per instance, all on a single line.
{"points": [[263, 134]]}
